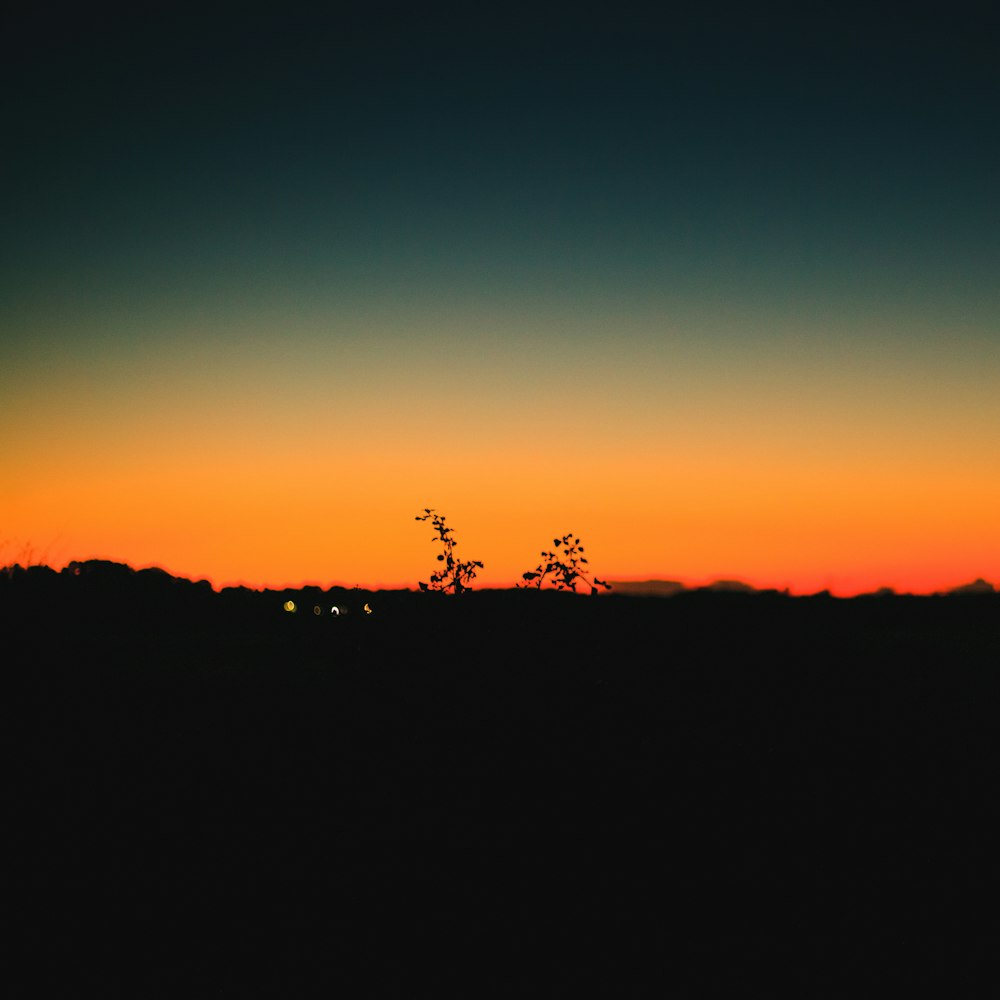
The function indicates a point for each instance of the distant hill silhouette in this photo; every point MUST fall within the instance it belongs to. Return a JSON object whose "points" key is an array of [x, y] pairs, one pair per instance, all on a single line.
{"points": [[671, 588], [647, 588], [979, 586]]}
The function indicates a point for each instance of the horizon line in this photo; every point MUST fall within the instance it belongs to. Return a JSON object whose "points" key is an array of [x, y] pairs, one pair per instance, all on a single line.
{"points": [[627, 585]]}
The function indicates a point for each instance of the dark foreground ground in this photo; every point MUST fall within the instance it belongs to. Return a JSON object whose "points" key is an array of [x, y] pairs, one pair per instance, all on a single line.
{"points": [[501, 794]]}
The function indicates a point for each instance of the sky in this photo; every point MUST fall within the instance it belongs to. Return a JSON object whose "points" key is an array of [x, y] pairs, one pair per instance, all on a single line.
{"points": [[717, 293]]}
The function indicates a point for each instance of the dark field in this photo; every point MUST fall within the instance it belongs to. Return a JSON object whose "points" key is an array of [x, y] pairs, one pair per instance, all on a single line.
{"points": [[497, 794]]}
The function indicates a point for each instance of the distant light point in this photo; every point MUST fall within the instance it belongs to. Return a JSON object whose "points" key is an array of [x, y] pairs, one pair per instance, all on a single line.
{"points": [[290, 606]]}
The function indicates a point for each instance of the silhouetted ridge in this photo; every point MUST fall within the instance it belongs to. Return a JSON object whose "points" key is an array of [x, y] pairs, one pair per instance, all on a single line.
{"points": [[979, 586], [671, 588]]}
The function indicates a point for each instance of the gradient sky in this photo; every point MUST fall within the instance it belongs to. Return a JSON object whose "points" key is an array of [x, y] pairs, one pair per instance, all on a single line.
{"points": [[719, 295]]}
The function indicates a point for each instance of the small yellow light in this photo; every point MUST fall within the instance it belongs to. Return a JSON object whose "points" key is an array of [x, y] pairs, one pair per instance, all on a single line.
{"points": [[368, 610], [317, 610], [290, 606]]}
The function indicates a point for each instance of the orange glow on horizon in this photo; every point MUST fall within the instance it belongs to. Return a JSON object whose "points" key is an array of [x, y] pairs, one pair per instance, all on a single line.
{"points": [[779, 473], [813, 532]]}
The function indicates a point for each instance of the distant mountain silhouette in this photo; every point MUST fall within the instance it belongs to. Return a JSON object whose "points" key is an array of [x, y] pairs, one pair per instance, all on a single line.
{"points": [[647, 588], [668, 588], [732, 586], [978, 586]]}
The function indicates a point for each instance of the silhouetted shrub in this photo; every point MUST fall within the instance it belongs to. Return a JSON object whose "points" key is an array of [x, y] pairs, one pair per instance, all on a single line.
{"points": [[454, 576], [564, 567]]}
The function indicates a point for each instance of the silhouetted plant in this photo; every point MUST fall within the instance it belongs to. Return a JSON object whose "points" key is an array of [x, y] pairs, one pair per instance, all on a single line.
{"points": [[454, 575], [24, 560], [564, 567]]}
